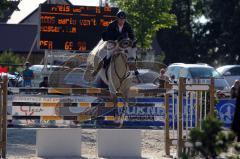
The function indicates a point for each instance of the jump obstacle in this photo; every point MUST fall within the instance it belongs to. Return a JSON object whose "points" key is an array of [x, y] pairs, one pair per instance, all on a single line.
{"points": [[188, 114], [185, 104]]}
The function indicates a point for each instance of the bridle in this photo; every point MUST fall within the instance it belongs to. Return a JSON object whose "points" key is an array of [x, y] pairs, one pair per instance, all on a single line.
{"points": [[122, 45], [125, 75]]}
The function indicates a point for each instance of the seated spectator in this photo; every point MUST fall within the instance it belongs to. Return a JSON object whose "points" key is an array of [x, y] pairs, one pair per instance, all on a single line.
{"points": [[161, 79], [44, 83]]}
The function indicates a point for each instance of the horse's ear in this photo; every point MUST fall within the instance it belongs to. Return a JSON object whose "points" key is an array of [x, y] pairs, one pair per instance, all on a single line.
{"points": [[105, 36], [134, 44]]}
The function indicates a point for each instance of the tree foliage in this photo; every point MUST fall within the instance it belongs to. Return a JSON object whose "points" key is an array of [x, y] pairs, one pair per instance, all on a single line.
{"points": [[5, 5], [11, 60], [218, 39], [211, 141], [214, 41], [177, 42], [147, 17]]}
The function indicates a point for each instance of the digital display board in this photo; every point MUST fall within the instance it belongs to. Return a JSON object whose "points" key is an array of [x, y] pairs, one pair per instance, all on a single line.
{"points": [[68, 27]]}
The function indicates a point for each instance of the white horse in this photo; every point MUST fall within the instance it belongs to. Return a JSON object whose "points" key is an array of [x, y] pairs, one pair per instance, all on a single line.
{"points": [[117, 75]]}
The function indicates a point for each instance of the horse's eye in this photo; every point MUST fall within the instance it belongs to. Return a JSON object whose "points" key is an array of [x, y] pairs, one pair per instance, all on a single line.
{"points": [[111, 45], [125, 43]]}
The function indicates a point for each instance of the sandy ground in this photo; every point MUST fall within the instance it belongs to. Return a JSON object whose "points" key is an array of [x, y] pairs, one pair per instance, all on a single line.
{"points": [[22, 144]]}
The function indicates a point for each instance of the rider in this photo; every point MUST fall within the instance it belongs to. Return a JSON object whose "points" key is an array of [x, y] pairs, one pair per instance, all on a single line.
{"points": [[117, 30]]}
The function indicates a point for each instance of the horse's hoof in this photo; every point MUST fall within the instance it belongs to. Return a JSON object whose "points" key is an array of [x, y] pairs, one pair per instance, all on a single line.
{"points": [[118, 94]]}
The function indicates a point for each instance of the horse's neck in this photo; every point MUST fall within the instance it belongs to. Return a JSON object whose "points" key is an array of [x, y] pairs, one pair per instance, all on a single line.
{"points": [[117, 69], [119, 65]]}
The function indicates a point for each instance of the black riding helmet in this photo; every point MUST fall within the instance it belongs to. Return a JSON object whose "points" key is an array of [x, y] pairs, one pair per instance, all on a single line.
{"points": [[121, 15]]}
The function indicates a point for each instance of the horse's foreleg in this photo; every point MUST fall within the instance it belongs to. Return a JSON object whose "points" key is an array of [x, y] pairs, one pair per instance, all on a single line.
{"points": [[124, 110], [114, 100]]}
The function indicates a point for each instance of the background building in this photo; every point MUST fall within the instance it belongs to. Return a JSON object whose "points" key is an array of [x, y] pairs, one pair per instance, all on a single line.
{"points": [[22, 38]]}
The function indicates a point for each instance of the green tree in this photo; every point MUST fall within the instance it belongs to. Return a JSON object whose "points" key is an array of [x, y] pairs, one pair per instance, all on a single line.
{"points": [[13, 61], [215, 41], [218, 39], [178, 42], [211, 141], [6, 5], [147, 17]]}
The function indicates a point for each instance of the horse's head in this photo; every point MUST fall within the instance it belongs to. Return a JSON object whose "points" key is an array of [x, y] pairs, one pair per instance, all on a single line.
{"points": [[125, 47]]}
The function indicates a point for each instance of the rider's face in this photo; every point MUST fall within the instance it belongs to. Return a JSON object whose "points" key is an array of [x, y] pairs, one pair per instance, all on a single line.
{"points": [[121, 21]]}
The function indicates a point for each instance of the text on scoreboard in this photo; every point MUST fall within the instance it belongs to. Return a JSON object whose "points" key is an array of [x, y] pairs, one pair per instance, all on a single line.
{"points": [[68, 27]]}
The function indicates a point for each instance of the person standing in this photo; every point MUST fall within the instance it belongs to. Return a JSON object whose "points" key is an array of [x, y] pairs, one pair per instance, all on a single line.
{"points": [[236, 118], [27, 75]]}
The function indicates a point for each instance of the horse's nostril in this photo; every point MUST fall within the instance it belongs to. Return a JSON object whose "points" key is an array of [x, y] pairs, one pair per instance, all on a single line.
{"points": [[131, 59]]}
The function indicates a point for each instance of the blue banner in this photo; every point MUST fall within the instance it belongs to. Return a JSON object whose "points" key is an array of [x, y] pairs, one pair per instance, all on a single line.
{"points": [[225, 110], [154, 115]]}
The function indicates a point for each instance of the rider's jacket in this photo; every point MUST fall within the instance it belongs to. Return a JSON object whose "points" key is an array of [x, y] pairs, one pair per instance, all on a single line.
{"points": [[113, 32]]}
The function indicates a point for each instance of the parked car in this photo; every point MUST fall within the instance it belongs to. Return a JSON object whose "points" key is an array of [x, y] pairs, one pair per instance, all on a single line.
{"points": [[75, 77], [147, 75], [230, 73], [14, 80], [40, 71], [199, 73]]}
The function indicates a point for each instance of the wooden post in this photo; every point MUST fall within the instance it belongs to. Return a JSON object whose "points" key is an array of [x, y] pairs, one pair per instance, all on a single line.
{"points": [[180, 117], [212, 97], [198, 110], [166, 132], [1, 119], [4, 116]]}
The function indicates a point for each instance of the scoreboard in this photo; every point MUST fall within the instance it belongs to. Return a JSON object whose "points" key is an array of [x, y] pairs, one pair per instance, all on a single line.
{"points": [[68, 27]]}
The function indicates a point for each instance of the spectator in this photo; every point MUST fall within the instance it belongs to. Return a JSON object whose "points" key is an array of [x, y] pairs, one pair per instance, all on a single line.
{"points": [[27, 75], [161, 79], [44, 83], [236, 118], [234, 89]]}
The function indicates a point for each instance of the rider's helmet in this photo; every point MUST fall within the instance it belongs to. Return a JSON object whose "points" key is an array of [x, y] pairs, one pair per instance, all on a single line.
{"points": [[121, 15]]}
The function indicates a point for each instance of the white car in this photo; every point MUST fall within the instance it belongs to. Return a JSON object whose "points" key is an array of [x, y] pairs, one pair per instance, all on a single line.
{"points": [[199, 72], [230, 73], [14, 80], [40, 71], [75, 77]]}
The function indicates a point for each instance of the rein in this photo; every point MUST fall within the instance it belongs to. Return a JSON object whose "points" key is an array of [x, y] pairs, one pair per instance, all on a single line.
{"points": [[126, 75]]}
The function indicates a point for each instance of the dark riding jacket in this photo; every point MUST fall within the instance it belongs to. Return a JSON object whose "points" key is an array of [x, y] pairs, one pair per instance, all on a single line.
{"points": [[113, 33]]}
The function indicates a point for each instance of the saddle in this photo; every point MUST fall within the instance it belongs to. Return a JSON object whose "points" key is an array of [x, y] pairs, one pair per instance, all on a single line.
{"points": [[106, 62]]}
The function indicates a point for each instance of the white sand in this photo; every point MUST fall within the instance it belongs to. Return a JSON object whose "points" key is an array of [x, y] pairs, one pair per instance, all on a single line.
{"points": [[21, 144]]}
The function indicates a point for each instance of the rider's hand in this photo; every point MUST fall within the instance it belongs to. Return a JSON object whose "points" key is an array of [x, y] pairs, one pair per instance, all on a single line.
{"points": [[136, 72], [94, 73]]}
